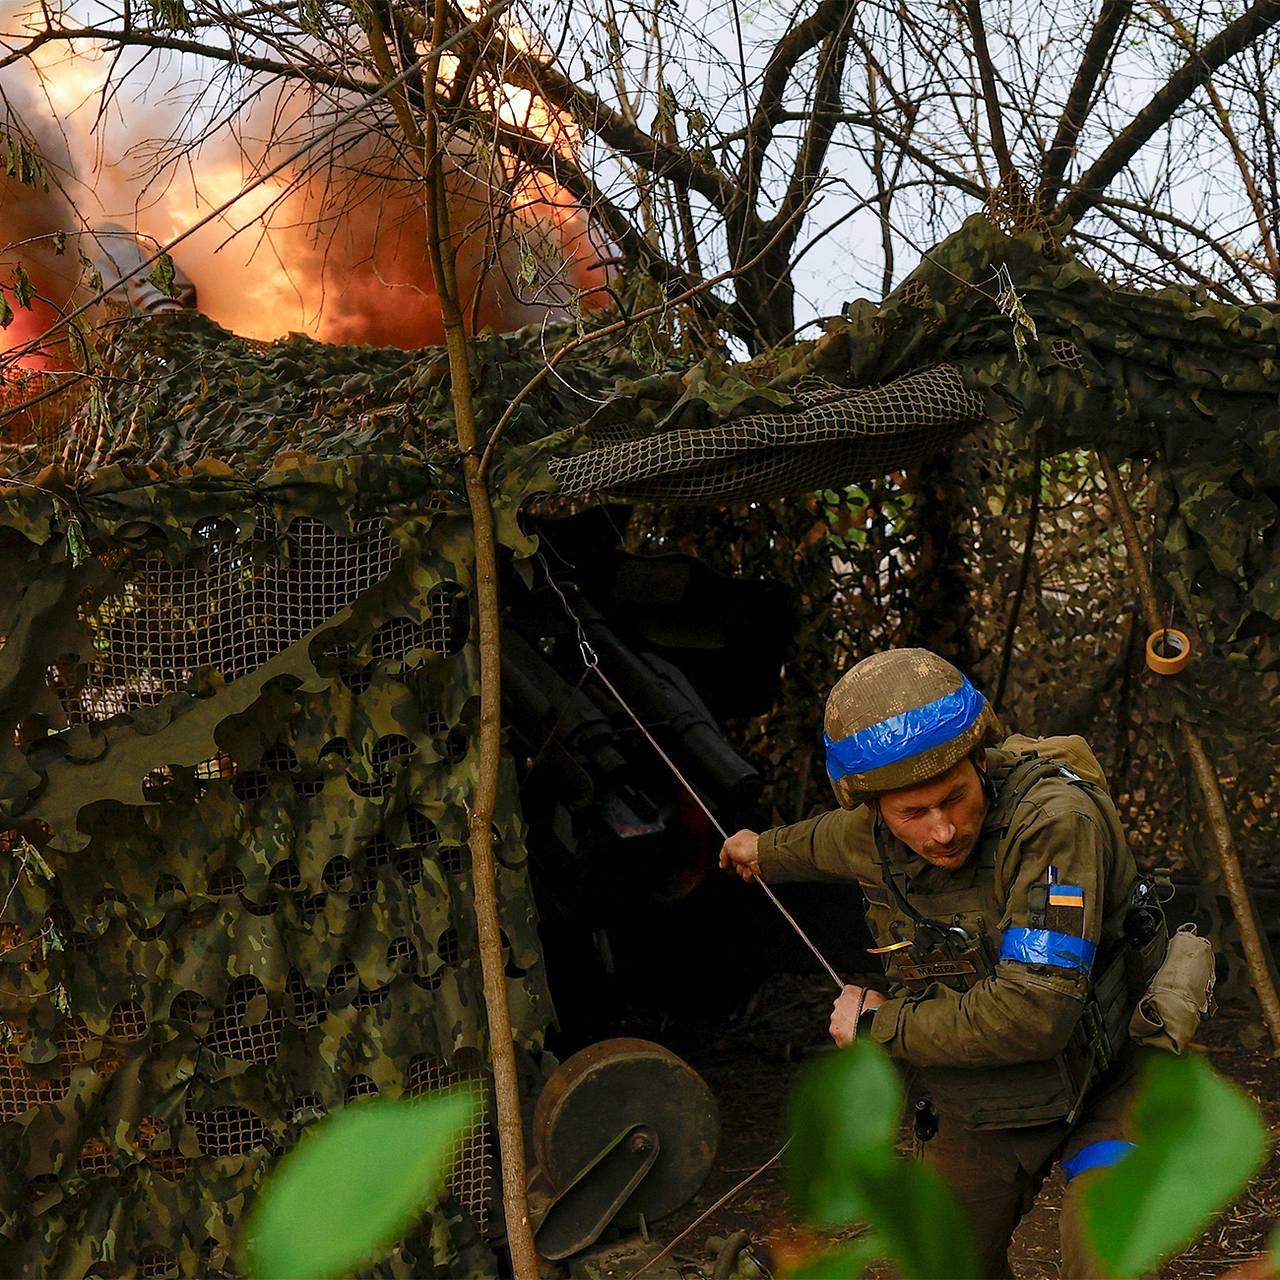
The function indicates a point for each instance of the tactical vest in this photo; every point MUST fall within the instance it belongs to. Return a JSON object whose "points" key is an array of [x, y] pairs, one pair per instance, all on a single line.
{"points": [[953, 938]]}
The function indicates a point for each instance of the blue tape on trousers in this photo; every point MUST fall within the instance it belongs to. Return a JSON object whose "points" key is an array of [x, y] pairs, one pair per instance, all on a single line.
{"points": [[1096, 1155], [1045, 946]]}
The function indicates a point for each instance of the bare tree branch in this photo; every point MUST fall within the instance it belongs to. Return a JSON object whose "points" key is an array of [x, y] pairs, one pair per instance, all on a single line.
{"points": [[813, 150], [987, 78], [660, 158], [132, 37], [1102, 40], [1086, 191], [829, 17]]}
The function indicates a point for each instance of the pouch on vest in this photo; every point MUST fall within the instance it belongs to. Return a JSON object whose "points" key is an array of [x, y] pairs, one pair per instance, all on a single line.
{"points": [[1181, 993]]}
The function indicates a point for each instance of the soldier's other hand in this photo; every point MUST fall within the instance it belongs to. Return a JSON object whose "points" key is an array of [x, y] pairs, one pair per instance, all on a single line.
{"points": [[740, 853], [848, 1007]]}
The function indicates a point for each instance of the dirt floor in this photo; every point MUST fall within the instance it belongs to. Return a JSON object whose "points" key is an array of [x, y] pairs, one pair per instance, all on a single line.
{"points": [[750, 1065]]}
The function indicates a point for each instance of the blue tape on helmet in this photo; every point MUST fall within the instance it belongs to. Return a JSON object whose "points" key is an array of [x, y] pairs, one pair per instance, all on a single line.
{"points": [[902, 736], [1097, 1155], [1045, 946]]}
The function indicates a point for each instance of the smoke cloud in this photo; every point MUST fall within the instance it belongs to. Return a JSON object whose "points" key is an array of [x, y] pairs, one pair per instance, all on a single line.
{"points": [[334, 247]]}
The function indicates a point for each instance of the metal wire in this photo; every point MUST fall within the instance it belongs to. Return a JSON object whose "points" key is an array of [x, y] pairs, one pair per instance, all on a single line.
{"points": [[711, 817], [592, 662], [715, 1208]]}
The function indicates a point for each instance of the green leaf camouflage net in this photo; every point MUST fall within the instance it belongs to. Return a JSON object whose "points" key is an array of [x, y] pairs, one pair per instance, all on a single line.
{"points": [[252, 811]]}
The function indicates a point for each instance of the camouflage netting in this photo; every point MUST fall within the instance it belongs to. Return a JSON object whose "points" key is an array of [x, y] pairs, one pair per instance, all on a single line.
{"points": [[239, 678], [1006, 330], [250, 901]]}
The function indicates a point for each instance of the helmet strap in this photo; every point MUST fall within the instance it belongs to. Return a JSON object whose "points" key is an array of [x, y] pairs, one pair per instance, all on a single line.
{"points": [[986, 782]]}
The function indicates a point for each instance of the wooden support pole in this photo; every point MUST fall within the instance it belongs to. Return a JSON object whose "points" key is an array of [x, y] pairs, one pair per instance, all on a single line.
{"points": [[506, 1085], [1251, 937]]}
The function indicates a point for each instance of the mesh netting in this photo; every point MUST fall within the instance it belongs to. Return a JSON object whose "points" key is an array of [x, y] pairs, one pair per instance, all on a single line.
{"points": [[1078, 667], [286, 926], [829, 436], [229, 608], [471, 1179], [294, 395]]}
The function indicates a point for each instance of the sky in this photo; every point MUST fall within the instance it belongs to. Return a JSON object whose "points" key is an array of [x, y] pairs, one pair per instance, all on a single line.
{"points": [[328, 275]]}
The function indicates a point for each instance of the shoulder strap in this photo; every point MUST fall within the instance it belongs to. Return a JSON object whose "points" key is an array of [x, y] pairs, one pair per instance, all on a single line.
{"points": [[1017, 784]]}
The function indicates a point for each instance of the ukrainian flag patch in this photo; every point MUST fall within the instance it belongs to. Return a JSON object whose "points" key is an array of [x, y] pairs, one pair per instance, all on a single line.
{"points": [[1066, 895]]}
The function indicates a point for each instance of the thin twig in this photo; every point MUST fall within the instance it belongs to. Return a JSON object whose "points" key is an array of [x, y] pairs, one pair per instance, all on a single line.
{"points": [[617, 327]]}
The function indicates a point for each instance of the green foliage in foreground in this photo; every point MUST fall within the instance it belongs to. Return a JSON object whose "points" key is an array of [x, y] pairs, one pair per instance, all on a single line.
{"points": [[1199, 1140], [353, 1185], [843, 1167]]}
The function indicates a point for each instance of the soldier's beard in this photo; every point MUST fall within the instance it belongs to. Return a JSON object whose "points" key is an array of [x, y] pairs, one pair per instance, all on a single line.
{"points": [[951, 856]]}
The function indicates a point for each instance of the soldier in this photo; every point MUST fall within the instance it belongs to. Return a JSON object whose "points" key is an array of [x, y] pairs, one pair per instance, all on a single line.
{"points": [[998, 885]]}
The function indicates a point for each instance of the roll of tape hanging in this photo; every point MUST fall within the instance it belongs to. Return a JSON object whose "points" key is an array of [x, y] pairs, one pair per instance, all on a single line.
{"points": [[1159, 643]]}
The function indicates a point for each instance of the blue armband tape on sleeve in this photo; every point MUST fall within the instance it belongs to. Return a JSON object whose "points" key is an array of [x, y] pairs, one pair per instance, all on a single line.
{"points": [[1096, 1155], [1044, 946], [902, 736]]}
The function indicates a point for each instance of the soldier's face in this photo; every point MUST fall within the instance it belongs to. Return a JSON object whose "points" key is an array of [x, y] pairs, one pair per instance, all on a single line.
{"points": [[941, 819]]}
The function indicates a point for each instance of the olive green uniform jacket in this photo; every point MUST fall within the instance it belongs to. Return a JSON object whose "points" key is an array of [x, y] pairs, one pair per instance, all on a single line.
{"points": [[1026, 1011]]}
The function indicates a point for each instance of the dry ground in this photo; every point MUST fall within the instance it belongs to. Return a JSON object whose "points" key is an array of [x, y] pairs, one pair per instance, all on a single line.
{"points": [[750, 1066]]}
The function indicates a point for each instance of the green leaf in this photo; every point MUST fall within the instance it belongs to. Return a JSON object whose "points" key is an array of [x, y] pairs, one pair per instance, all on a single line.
{"points": [[1199, 1139], [171, 15], [923, 1228], [1022, 326], [77, 544], [24, 163], [353, 1185], [23, 290], [59, 242], [845, 1112], [162, 276], [667, 107], [6, 311], [843, 1165], [92, 276], [34, 863], [311, 17]]}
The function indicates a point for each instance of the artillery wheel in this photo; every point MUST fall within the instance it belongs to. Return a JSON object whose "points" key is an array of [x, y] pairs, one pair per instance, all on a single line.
{"points": [[598, 1092]]}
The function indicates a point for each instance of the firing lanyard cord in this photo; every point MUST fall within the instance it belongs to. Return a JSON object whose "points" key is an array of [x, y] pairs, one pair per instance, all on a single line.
{"points": [[715, 1208], [592, 661], [733, 1191]]}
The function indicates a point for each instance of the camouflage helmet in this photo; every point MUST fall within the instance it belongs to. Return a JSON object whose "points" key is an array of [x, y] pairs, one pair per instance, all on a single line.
{"points": [[900, 718]]}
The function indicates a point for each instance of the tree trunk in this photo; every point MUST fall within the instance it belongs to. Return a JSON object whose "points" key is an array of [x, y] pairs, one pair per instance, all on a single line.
{"points": [[766, 296], [939, 578]]}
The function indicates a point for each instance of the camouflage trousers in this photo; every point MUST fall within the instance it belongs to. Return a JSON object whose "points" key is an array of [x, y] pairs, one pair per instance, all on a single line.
{"points": [[997, 1173]]}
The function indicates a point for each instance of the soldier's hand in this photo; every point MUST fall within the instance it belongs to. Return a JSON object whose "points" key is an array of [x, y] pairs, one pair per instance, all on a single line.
{"points": [[740, 853], [849, 1006]]}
